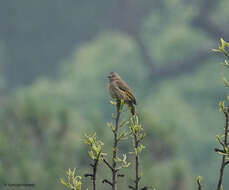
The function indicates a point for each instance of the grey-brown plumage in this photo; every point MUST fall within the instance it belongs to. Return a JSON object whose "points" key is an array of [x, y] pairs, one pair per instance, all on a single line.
{"points": [[118, 89]]}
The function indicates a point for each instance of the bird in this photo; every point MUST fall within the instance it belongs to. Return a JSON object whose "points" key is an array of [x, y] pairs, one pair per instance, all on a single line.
{"points": [[119, 90]]}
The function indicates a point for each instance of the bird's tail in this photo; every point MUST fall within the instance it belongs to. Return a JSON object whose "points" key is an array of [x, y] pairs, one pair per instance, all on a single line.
{"points": [[132, 108]]}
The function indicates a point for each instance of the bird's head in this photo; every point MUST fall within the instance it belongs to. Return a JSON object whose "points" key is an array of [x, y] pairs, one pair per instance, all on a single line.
{"points": [[113, 76]]}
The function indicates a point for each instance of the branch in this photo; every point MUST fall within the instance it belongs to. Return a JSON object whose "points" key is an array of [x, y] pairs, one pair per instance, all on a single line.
{"points": [[115, 147], [107, 163], [107, 181], [92, 165], [88, 175], [220, 142], [93, 176], [146, 187], [137, 178], [96, 161], [131, 187], [219, 150], [137, 134], [224, 163], [118, 168]]}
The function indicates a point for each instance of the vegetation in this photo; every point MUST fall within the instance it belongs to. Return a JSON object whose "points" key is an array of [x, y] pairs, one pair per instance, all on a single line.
{"points": [[54, 60], [135, 131], [222, 139]]}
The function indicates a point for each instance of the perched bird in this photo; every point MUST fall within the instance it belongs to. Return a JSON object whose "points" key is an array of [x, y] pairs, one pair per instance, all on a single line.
{"points": [[118, 90]]}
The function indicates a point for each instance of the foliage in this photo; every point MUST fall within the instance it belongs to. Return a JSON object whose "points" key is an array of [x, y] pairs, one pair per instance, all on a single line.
{"points": [[60, 60], [95, 146], [96, 154], [222, 139], [73, 181]]}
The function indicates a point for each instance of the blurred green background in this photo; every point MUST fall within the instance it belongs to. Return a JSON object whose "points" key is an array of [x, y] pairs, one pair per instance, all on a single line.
{"points": [[55, 56]]}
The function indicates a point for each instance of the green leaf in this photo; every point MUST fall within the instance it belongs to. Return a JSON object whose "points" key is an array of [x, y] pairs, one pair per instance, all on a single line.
{"points": [[221, 188], [200, 179], [216, 50], [226, 64], [124, 123], [125, 164], [63, 182], [123, 136], [91, 154], [73, 181], [224, 43], [111, 126], [113, 103], [219, 139], [226, 150], [226, 83], [221, 106], [117, 159]]}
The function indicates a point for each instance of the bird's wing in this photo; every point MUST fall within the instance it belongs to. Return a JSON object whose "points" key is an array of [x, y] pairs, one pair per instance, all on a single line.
{"points": [[124, 87]]}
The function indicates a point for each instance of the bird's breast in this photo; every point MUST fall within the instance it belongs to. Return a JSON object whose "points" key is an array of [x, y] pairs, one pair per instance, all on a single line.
{"points": [[111, 89]]}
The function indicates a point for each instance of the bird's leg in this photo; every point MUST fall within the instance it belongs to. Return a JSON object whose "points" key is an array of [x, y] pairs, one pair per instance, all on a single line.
{"points": [[118, 104]]}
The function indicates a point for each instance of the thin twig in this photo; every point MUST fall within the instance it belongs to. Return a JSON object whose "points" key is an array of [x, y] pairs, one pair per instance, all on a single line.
{"points": [[225, 163], [137, 178], [96, 161], [107, 181], [107, 163], [93, 176], [199, 184], [131, 187], [219, 150], [146, 187], [220, 142], [220, 181], [88, 175], [115, 149]]}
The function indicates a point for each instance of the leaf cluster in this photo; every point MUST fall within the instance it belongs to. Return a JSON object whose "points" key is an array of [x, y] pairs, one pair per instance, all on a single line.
{"points": [[72, 181], [95, 147], [137, 133]]}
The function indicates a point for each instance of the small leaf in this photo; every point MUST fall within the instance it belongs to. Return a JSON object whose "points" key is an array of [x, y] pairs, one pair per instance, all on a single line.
{"points": [[219, 139], [111, 126], [117, 159], [221, 188], [125, 164], [123, 136], [216, 50], [221, 106], [226, 83], [91, 154], [227, 150], [63, 182], [113, 103], [226, 64], [224, 43], [124, 123], [200, 179], [73, 182]]}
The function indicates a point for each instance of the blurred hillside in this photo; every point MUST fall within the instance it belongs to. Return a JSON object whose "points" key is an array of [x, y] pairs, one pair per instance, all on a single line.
{"points": [[55, 57]]}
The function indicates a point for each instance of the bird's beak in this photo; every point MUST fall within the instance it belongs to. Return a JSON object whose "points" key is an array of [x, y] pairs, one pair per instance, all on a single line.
{"points": [[109, 76]]}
